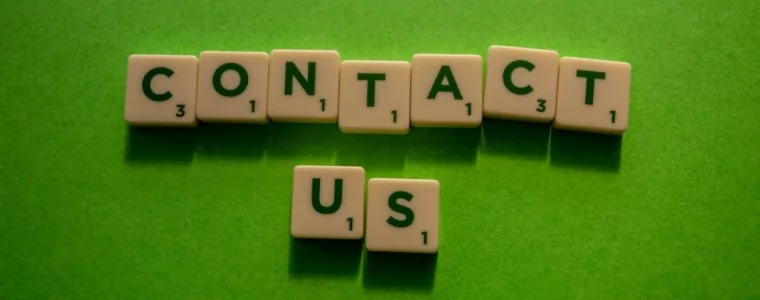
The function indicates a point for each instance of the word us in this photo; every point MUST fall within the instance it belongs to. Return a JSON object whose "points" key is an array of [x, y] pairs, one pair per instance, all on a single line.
{"points": [[401, 214], [444, 90]]}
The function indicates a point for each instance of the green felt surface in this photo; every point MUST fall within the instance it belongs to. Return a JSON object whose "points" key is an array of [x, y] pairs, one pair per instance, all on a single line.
{"points": [[90, 209]]}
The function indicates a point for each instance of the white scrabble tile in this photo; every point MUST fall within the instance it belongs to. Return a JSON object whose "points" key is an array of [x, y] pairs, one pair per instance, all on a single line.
{"points": [[328, 202], [521, 84], [593, 95], [374, 96], [402, 215], [303, 85], [232, 86], [161, 90], [447, 90]]}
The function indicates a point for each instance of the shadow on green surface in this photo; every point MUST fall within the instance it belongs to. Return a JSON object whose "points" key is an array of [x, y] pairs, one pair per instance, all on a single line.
{"points": [[373, 151], [585, 150], [160, 145], [408, 271], [234, 141], [289, 140], [444, 145], [303, 140], [524, 139], [314, 257]]}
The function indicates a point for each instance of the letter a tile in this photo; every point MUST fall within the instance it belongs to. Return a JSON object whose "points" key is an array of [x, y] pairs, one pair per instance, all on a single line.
{"points": [[447, 90]]}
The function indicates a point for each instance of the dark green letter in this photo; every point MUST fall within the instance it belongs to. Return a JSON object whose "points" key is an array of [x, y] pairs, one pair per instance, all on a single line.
{"points": [[326, 210], [146, 84], [217, 80], [407, 212], [451, 87], [371, 78], [590, 76], [507, 77], [308, 85]]}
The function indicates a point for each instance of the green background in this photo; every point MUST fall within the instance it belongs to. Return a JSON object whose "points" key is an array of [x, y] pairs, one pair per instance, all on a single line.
{"points": [[90, 209]]}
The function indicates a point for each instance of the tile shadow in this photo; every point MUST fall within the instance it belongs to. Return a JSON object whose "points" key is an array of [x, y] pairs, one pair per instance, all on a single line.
{"points": [[515, 138], [407, 271], [147, 145], [585, 150], [288, 140], [373, 151], [316, 257], [232, 141], [443, 145]]}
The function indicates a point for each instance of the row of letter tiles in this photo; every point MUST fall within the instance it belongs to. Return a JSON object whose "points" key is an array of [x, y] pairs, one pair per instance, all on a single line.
{"points": [[445, 90], [401, 214]]}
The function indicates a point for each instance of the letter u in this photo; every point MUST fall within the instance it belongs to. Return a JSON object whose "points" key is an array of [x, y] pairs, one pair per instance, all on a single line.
{"points": [[315, 191]]}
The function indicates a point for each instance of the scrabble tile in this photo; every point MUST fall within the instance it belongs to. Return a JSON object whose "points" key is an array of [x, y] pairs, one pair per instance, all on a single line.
{"points": [[593, 95], [402, 215], [303, 86], [374, 96], [328, 202], [232, 86], [447, 90], [161, 90], [521, 84]]}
